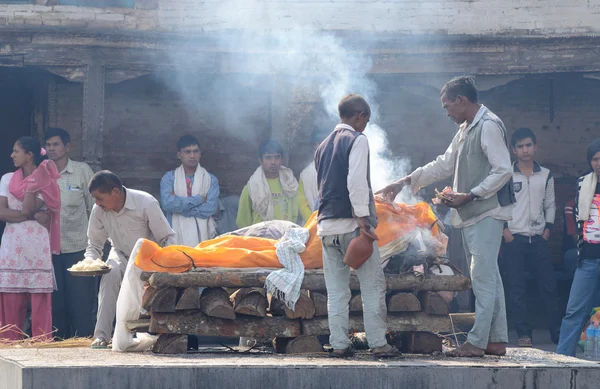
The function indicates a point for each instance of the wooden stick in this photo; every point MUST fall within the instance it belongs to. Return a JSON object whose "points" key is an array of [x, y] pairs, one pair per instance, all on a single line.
{"points": [[320, 302], [250, 301], [313, 280], [304, 309], [404, 302], [170, 344], [433, 304], [215, 302], [190, 299]]}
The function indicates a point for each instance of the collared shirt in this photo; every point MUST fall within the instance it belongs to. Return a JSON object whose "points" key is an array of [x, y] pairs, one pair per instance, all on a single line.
{"points": [[77, 203], [141, 217], [358, 187], [494, 146], [191, 206]]}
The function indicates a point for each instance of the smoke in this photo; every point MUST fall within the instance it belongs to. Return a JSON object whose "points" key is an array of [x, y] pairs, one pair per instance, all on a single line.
{"points": [[300, 56]]}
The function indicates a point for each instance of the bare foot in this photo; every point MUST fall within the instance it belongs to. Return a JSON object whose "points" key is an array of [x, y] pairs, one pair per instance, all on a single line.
{"points": [[465, 351], [496, 348]]}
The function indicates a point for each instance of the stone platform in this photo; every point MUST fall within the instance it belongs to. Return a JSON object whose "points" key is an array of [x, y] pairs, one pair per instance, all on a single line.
{"points": [[90, 369]]}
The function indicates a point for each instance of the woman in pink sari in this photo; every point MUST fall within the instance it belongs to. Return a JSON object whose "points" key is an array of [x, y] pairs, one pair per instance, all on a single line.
{"points": [[26, 272]]}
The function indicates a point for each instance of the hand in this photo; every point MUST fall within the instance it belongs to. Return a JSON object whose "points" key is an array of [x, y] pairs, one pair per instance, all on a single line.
{"points": [[546, 234], [457, 200], [365, 226], [391, 191], [508, 236], [42, 217]]}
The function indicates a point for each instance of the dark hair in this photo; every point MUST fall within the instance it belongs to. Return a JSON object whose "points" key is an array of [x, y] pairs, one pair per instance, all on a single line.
{"points": [[269, 146], [593, 149], [105, 181], [520, 134], [187, 140], [460, 86], [352, 104], [32, 145], [51, 132]]}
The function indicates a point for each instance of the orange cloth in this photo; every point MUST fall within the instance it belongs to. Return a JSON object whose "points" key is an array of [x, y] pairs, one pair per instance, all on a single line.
{"points": [[239, 251]]}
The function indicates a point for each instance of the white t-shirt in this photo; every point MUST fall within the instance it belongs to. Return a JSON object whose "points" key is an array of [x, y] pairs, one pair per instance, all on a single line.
{"points": [[4, 182]]}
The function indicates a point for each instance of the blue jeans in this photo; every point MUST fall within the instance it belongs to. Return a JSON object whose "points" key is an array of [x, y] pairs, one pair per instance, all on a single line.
{"points": [[586, 285]]}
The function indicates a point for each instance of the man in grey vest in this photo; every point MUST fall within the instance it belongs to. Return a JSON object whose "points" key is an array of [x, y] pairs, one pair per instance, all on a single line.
{"points": [[481, 199], [346, 207]]}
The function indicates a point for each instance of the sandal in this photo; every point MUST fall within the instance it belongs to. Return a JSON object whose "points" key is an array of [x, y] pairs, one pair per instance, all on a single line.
{"points": [[525, 342], [99, 343], [342, 353], [386, 351]]}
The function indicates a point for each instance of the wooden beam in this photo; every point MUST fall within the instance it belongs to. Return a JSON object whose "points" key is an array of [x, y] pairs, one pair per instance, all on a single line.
{"points": [[313, 280], [194, 322], [401, 322], [93, 114]]}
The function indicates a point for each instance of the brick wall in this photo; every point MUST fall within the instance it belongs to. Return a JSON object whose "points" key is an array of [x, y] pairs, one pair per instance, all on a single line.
{"points": [[400, 16]]}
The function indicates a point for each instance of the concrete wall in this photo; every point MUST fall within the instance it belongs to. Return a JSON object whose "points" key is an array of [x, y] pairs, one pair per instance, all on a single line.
{"points": [[473, 17]]}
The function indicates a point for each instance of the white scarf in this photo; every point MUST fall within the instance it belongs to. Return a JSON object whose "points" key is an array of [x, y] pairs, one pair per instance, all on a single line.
{"points": [[260, 193], [586, 195], [309, 180], [192, 230]]}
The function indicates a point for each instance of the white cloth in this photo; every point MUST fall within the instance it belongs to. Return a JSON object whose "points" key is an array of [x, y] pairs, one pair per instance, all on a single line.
{"points": [[309, 181], [358, 188], [192, 230], [260, 193], [285, 283], [129, 305], [586, 195], [444, 166]]}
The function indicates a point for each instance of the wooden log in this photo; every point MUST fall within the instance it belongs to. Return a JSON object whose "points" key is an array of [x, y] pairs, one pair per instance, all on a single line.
{"points": [[164, 300], [215, 302], [190, 299], [433, 304], [313, 280], [400, 322], [299, 345], [404, 302], [304, 308], [421, 343], [148, 296], [250, 301], [170, 344], [320, 302], [195, 322], [140, 325], [356, 303]]}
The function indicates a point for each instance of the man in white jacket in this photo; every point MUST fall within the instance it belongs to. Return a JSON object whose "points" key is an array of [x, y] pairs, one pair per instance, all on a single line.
{"points": [[525, 245]]}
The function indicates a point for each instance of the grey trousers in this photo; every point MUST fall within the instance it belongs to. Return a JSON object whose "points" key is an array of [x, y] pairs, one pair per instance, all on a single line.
{"points": [[110, 285], [482, 244], [372, 289]]}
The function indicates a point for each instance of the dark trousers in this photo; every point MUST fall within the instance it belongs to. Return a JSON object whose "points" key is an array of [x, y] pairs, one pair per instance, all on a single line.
{"points": [[531, 254], [75, 303]]}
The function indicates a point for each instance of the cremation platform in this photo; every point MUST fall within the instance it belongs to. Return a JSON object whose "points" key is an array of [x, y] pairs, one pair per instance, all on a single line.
{"points": [[90, 369]]}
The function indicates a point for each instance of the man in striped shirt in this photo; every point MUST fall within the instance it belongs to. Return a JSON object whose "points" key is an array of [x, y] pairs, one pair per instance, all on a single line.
{"points": [[526, 237]]}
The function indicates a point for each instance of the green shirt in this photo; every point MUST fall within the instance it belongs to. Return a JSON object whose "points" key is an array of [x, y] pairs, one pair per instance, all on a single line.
{"points": [[284, 208]]}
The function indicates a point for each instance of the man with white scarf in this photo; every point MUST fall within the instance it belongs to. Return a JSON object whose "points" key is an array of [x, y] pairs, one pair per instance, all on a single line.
{"points": [[189, 195], [307, 189], [271, 192]]}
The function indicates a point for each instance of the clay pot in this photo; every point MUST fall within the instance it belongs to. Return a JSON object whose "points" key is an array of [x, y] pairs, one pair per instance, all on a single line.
{"points": [[359, 250]]}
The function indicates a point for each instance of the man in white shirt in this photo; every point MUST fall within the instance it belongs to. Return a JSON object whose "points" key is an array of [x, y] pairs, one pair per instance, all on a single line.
{"points": [[482, 200], [122, 216], [346, 207]]}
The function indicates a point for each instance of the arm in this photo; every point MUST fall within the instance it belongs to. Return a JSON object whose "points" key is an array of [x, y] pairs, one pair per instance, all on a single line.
{"points": [[159, 226], [97, 235], [244, 216], [305, 210], [10, 215], [570, 221], [211, 205], [496, 151], [549, 206], [176, 204], [31, 204]]}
